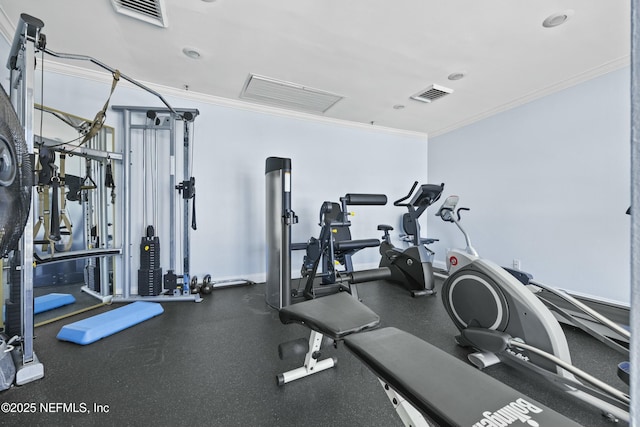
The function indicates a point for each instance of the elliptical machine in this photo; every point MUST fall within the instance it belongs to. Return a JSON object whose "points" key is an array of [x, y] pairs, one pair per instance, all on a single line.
{"points": [[412, 267], [501, 318]]}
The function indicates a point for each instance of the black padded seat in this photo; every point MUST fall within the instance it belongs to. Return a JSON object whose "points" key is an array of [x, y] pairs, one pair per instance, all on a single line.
{"points": [[349, 245], [445, 389], [335, 316]]}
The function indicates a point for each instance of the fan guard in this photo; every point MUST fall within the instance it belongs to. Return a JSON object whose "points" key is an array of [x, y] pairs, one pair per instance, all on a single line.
{"points": [[16, 177]]}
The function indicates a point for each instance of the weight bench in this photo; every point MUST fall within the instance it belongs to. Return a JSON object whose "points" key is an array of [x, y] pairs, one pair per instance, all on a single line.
{"points": [[426, 385], [333, 316]]}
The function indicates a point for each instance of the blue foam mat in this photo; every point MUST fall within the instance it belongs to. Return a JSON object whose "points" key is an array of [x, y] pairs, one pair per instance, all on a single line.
{"points": [[51, 301], [92, 329], [624, 371]]}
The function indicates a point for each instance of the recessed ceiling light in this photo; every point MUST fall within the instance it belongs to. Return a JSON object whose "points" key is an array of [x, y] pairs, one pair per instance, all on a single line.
{"points": [[557, 19], [191, 53], [456, 76]]}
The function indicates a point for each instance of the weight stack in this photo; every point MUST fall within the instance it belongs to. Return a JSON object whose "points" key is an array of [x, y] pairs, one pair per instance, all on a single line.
{"points": [[92, 269], [92, 275], [150, 272]]}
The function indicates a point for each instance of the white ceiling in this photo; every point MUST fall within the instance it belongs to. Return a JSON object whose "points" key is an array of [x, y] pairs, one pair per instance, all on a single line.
{"points": [[376, 54]]}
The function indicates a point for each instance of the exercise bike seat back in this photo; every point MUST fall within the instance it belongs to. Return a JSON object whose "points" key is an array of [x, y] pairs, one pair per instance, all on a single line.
{"points": [[410, 230]]}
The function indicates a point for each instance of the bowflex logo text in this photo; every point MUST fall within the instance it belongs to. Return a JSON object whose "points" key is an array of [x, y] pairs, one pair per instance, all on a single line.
{"points": [[509, 414]]}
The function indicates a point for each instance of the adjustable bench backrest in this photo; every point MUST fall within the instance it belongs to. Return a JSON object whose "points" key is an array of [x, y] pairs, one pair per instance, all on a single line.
{"points": [[447, 390]]}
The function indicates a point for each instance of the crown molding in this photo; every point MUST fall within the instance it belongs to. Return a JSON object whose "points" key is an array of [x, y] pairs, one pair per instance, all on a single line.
{"points": [[603, 69]]}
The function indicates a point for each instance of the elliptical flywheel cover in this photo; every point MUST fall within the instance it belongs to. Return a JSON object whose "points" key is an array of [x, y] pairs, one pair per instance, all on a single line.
{"points": [[472, 299]]}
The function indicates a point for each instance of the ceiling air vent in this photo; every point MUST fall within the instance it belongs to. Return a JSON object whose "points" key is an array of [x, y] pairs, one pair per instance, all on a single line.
{"points": [[151, 11], [432, 93], [287, 95]]}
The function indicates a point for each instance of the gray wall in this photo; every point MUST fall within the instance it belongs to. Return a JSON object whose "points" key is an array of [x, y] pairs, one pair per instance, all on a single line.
{"points": [[548, 184]]}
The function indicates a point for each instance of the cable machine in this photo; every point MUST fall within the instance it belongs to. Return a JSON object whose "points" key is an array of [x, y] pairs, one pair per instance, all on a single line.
{"points": [[149, 142], [57, 239], [28, 40]]}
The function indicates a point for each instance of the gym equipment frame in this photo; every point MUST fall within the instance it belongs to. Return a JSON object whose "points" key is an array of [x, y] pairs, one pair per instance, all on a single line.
{"points": [[99, 157], [21, 64], [505, 322], [28, 39], [151, 119]]}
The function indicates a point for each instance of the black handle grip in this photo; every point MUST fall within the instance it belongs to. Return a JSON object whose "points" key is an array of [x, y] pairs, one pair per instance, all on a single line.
{"points": [[362, 276], [461, 209], [365, 199], [54, 232]]}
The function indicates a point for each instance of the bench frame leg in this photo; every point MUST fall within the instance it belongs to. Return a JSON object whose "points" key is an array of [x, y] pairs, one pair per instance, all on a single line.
{"points": [[409, 415], [311, 364]]}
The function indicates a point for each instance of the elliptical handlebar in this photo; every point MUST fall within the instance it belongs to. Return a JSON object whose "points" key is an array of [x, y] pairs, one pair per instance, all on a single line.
{"points": [[461, 209], [446, 212]]}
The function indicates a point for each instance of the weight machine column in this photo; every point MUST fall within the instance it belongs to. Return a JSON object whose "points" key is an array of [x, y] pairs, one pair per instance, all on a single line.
{"points": [[172, 199], [279, 218], [126, 197], [27, 34], [185, 214]]}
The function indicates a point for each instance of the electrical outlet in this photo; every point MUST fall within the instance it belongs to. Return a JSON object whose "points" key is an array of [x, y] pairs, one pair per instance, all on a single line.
{"points": [[516, 264]]}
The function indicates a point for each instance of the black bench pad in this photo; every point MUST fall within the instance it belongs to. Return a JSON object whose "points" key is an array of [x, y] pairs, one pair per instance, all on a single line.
{"points": [[336, 315], [445, 389]]}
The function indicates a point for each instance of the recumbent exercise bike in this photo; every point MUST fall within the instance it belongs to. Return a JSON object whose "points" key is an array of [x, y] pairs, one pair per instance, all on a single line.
{"points": [[412, 267]]}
